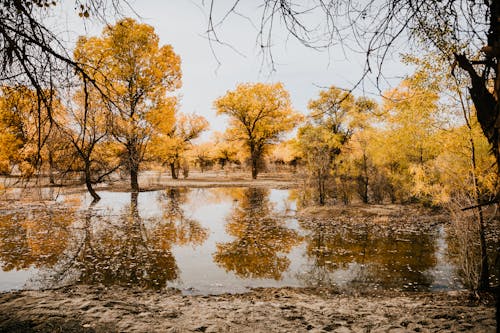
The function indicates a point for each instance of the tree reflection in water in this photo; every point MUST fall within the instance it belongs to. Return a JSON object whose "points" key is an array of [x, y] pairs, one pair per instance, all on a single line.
{"points": [[261, 241], [368, 254], [176, 227], [124, 252], [99, 248], [34, 237]]}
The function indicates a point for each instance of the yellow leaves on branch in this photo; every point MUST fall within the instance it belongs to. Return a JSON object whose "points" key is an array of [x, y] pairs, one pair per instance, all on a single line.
{"points": [[258, 112], [134, 72], [27, 130], [172, 142]]}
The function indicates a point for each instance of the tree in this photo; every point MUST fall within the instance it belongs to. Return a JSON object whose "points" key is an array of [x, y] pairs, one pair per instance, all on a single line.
{"points": [[137, 74], [224, 151], [88, 129], [259, 114], [335, 116], [171, 144], [11, 136], [461, 176], [317, 146], [32, 139], [202, 155]]}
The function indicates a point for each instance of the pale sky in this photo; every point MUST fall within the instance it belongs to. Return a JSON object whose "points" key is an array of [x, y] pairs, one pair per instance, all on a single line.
{"points": [[182, 23]]}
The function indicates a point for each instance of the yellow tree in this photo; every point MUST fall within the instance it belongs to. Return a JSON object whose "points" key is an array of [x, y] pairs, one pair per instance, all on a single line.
{"points": [[333, 109], [317, 146], [223, 151], [411, 113], [202, 155], [462, 176], [29, 137], [335, 116], [259, 114], [12, 136], [171, 143], [136, 73]]}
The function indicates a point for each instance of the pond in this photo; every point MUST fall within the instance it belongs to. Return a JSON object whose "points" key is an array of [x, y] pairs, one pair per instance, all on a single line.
{"points": [[209, 241]]}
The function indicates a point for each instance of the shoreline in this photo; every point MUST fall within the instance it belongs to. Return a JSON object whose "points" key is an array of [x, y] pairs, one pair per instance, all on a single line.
{"points": [[117, 309]]}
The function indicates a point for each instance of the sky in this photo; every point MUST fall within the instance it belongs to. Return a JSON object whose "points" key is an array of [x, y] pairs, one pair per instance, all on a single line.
{"points": [[210, 73]]}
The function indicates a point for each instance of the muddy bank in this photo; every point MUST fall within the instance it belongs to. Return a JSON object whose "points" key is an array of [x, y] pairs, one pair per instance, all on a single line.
{"points": [[14, 189], [373, 213], [92, 309]]}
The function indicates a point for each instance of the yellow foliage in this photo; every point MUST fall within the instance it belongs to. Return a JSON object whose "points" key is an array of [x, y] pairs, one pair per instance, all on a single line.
{"points": [[28, 134], [170, 146], [259, 114], [134, 74]]}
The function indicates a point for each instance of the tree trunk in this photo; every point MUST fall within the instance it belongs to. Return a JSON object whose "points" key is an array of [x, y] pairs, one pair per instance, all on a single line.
{"points": [[365, 177], [51, 169], [255, 167], [134, 175], [173, 171], [321, 188], [254, 156], [88, 183]]}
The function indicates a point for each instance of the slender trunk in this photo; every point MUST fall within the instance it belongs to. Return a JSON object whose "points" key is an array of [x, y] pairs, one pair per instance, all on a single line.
{"points": [[88, 183], [173, 171], [321, 188], [255, 166], [485, 274], [365, 178], [51, 169], [134, 175]]}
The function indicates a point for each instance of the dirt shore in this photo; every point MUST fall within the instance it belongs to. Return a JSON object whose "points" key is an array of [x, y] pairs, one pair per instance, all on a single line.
{"points": [[94, 309]]}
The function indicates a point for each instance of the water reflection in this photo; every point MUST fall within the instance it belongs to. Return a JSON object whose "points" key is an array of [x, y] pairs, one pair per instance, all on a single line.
{"points": [[122, 251], [212, 240], [176, 227], [368, 254], [97, 247], [261, 241], [36, 237]]}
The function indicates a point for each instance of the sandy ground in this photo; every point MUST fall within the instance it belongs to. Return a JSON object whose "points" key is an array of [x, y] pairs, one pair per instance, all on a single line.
{"points": [[86, 309], [285, 180]]}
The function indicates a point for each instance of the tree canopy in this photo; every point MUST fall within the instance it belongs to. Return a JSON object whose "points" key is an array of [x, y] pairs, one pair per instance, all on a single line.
{"points": [[259, 114]]}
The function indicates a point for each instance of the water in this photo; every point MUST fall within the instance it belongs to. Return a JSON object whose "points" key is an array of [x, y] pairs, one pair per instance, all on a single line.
{"points": [[210, 241]]}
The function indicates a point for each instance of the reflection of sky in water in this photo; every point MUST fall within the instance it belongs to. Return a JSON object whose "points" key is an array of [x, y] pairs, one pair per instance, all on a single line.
{"points": [[213, 241]]}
